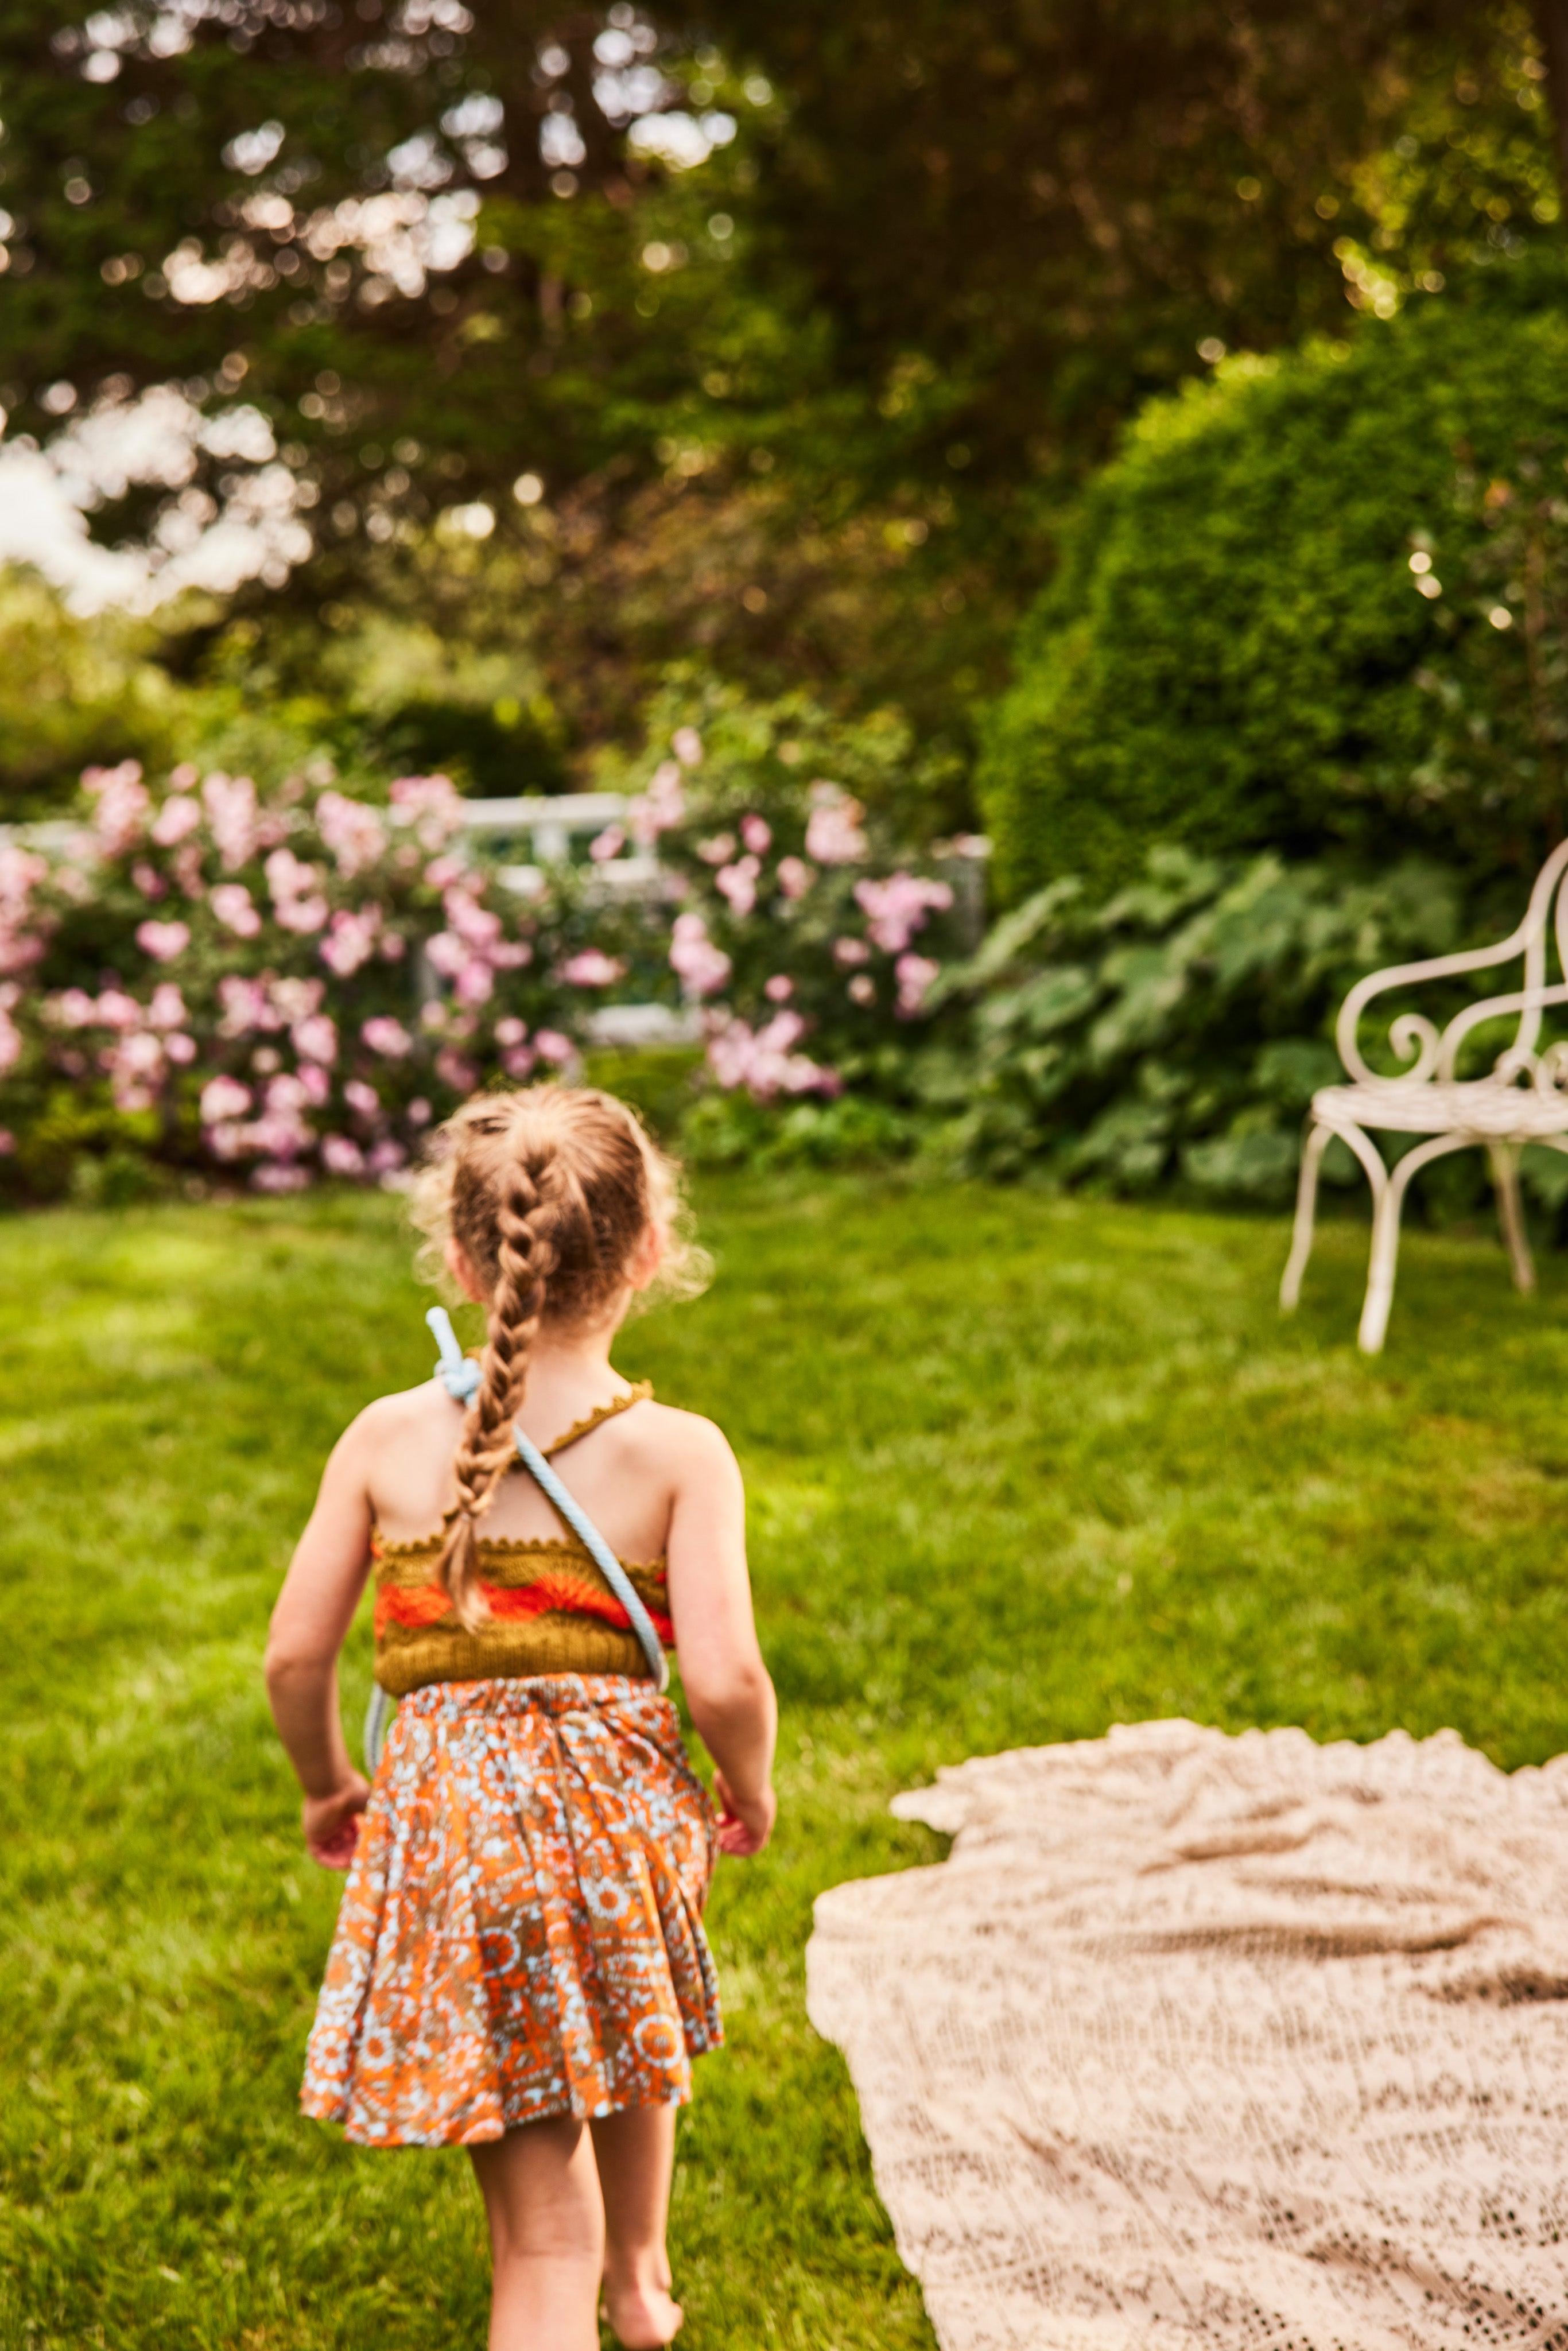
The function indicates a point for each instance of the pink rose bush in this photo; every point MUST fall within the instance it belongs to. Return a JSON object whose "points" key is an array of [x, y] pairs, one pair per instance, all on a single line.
{"points": [[793, 919], [272, 987]]}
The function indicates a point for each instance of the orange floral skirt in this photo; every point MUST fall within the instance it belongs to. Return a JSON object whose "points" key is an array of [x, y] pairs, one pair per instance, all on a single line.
{"points": [[521, 1930]]}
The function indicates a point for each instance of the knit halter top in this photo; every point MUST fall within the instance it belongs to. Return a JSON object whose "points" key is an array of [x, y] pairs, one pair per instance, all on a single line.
{"points": [[551, 1607]]}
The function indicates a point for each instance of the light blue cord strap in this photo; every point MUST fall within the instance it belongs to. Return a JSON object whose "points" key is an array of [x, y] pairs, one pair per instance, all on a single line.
{"points": [[459, 1376], [458, 1373], [378, 1713], [604, 1559]]}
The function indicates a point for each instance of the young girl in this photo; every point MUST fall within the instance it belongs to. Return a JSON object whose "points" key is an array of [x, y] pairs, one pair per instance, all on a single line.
{"points": [[519, 1965]]}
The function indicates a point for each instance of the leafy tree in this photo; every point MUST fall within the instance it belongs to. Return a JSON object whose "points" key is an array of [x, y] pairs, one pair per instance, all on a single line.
{"points": [[398, 256], [1321, 603]]}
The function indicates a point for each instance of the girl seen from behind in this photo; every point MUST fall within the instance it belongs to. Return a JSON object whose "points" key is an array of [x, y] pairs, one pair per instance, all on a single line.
{"points": [[519, 1965]]}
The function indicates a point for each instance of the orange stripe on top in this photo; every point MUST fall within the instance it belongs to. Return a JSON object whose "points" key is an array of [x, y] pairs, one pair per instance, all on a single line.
{"points": [[565, 1595]]}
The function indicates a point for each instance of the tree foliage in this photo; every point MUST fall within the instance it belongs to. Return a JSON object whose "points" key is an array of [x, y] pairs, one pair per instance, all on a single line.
{"points": [[813, 313], [1320, 603]]}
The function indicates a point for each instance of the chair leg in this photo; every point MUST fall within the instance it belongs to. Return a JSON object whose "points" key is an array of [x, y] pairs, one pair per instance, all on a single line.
{"points": [[1504, 1157], [1312, 1151], [1386, 1237]]}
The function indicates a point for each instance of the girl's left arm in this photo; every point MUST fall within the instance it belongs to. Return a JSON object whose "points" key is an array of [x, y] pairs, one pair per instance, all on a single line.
{"points": [[314, 1612]]}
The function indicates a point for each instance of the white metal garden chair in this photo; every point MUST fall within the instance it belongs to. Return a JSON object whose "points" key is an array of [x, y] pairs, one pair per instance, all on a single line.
{"points": [[1524, 1098]]}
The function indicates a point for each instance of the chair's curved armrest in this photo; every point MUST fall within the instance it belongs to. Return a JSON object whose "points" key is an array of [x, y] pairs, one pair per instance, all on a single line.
{"points": [[1494, 1007], [1414, 1037]]}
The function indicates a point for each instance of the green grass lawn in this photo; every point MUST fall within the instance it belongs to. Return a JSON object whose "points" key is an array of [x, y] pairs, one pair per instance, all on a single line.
{"points": [[1020, 1468]]}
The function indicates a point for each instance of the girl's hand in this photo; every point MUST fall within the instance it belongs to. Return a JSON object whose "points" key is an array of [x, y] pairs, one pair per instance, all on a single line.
{"points": [[332, 1823], [743, 1829]]}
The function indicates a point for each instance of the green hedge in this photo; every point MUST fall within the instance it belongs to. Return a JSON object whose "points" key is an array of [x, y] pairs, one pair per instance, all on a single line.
{"points": [[1235, 652]]}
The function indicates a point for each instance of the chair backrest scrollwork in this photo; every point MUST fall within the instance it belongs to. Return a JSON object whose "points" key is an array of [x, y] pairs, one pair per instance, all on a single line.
{"points": [[1432, 1053]]}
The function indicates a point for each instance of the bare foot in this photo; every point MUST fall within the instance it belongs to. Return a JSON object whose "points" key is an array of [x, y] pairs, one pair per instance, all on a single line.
{"points": [[643, 2317]]}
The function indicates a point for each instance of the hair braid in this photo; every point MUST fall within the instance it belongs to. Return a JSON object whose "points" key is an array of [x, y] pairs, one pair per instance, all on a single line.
{"points": [[525, 1256], [549, 1192]]}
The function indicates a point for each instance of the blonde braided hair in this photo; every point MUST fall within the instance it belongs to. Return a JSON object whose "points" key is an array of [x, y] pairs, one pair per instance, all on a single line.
{"points": [[549, 1192]]}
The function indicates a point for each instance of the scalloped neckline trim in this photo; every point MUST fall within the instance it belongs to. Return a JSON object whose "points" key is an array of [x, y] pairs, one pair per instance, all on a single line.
{"points": [[638, 1393]]}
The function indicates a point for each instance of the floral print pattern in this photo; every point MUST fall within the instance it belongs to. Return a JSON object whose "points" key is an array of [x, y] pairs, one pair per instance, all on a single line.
{"points": [[521, 1931]]}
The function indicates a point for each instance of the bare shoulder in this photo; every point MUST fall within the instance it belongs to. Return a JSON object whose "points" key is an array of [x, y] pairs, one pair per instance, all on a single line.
{"points": [[392, 1420], [684, 1442]]}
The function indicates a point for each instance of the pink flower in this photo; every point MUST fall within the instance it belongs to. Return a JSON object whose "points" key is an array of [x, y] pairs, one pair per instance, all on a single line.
{"points": [[385, 1158], [7, 1143], [340, 1156], [149, 881], [315, 1084], [833, 835], [898, 907], [315, 1039], [591, 968], [475, 984], [387, 1037], [863, 989], [687, 746], [163, 941], [419, 1111], [519, 1060], [915, 975], [73, 1007], [432, 805], [295, 1000], [795, 876], [180, 1049], [757, 834], [266, 1059], [246, 1007], [553, 1047], [115, 1009], [123, 801], [511, 955], [287, 1095], [779, 989], [275, 1176], [234, 908], [701, 967], [178, 815], [351, 940], [442, 871], [167, 1010], [664, 804], [475, 925], [738, 882], [455, 1071], [765, 1060], [230, 802], [718, 851], [510, 1031], [222, 1100], [296, 897], [847, 953], [446, 954], [355, 835], [393, 945], [10, 1043], [362, 1098], [608, 844], [187, 864]]}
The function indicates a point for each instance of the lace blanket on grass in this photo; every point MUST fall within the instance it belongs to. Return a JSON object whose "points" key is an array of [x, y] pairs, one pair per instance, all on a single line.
{"points": [[1241, 2044]]}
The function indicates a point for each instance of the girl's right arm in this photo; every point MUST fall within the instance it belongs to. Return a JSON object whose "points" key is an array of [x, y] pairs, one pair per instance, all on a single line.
{"points": [[728, 1692], [314, 1612]]}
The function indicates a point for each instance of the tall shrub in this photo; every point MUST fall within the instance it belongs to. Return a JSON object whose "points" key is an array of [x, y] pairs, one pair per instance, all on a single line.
{"points": [[1318, 602]]}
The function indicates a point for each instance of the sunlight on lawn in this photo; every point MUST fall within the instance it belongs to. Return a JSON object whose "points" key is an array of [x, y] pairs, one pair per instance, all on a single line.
{"points": [[1020, 1468]]}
